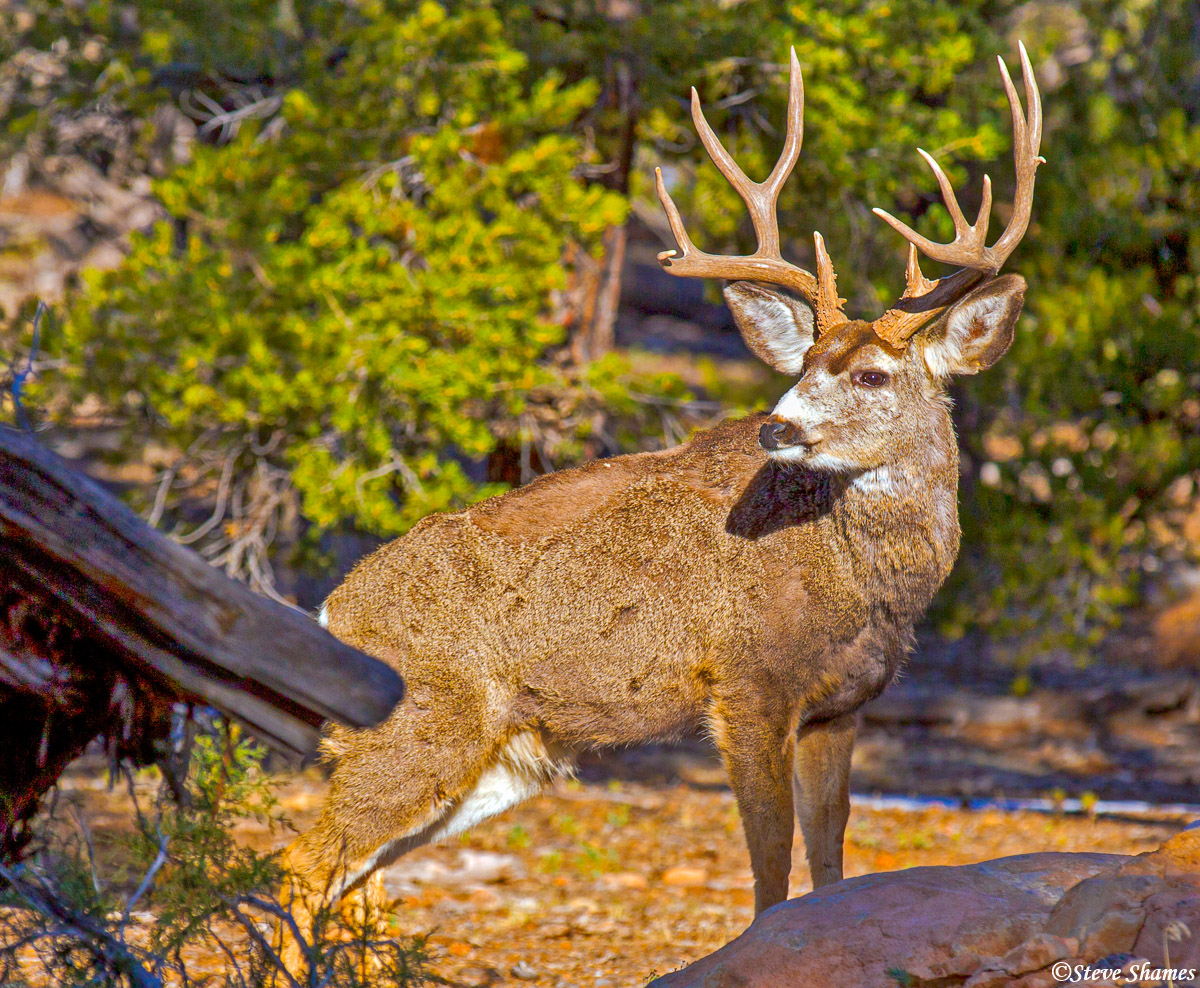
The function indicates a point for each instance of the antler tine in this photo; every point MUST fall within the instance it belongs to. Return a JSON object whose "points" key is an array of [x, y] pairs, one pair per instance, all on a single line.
{"points": [[969, 248], [760, 198], [766, 264], [794, 134], [1027, 142], [961, 226], [686, 250], [969, 238], [827, 297]]}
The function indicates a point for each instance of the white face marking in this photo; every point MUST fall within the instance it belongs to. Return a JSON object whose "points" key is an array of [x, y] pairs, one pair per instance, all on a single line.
{"points": [[825, 463], [789, 454], [806, 408], [812, 408], [840, 421]]}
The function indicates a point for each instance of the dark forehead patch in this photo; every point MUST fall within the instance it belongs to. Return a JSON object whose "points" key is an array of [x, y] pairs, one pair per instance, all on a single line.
{"points": [[837, 347]]}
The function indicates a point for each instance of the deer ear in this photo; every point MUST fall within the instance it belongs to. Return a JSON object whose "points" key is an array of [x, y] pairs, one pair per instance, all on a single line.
{"points": [[977, 331], [776, 327]]}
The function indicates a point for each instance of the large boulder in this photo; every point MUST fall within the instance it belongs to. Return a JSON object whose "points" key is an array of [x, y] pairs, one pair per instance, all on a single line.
{"points": [[1002, 922]]}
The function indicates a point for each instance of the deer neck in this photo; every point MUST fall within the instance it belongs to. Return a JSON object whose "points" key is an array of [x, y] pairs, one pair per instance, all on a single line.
{"points": [[898, 524]]}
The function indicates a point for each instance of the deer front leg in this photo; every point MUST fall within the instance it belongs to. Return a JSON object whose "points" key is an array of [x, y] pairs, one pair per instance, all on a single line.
{"points": [[821, 786], [758, 758]]}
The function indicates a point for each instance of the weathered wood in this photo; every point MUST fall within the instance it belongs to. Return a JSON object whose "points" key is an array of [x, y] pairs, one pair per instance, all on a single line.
{"points": [[159, 612], [60, 690]]}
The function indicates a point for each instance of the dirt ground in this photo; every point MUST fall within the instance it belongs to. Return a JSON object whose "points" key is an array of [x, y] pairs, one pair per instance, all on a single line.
{"points": [[604, 881], [637, 867]]}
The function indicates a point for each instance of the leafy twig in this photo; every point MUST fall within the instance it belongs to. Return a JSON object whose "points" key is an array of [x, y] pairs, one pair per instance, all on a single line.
{"points": [[20, 377]]}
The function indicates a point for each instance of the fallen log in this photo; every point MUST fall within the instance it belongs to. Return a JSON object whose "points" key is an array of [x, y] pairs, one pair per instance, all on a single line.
{"points": [[105, 623]]}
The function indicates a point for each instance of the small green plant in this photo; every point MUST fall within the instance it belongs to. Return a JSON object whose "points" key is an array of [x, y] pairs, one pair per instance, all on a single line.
{"points": [[565, 824], [618, 816], [517, 838], [915, 840], [592, 861], [1058, 796], [182, 888], [550, 862], [861, 836], [188, 847]]}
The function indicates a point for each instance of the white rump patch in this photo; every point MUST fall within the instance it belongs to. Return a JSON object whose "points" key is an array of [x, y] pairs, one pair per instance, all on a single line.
{"points": [[323, 617]]}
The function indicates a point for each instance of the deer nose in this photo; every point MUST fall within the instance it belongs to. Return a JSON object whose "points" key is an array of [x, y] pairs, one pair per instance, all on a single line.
{"points": [[777, 434]]}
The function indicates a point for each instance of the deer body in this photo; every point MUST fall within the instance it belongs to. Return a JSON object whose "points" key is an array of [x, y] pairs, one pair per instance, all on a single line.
{"points": [[629, 601], [617, 603], [760, 581]]}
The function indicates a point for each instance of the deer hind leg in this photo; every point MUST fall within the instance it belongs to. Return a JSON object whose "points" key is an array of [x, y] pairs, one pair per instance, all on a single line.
{"points": [[392, 795], [821, 783]]}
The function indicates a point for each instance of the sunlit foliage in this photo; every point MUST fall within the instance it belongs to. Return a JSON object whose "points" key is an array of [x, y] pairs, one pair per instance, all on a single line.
{"points": [[374, 272]]}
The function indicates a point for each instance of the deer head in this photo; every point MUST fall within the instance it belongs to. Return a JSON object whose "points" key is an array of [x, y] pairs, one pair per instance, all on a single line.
{"points": [[866, 389]]}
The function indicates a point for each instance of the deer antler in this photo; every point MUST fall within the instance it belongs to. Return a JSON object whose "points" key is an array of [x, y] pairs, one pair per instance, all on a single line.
{"points": [[923, 299], [765, 265]]}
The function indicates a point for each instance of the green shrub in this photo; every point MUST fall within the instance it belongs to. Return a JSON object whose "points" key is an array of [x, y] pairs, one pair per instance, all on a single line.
{"points": [[368, 287], [1087, 435], [184, 902], [361, 293]]}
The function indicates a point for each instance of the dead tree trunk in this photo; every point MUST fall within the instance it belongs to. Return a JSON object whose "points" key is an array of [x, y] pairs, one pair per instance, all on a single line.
{"points": [[105, 623]]}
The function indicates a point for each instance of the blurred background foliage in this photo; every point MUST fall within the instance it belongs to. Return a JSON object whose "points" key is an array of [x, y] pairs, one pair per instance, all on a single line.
{"points": [[393, 239]]}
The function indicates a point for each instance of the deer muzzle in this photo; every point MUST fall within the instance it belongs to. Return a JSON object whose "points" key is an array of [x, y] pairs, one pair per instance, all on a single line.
{"points": [[777, 434]]}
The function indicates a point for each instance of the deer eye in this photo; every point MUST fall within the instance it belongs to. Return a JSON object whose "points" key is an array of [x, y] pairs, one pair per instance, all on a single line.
{"points": [[871, 379]]}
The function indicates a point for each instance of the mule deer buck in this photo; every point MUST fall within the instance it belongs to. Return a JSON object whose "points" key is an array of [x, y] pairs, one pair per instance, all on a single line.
{"points": [[760, 581]]}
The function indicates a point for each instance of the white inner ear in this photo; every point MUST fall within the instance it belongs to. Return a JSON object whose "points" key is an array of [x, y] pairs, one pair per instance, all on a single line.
{"points": [[964, 326], [935, 360], [785, 332], [974, 318]]}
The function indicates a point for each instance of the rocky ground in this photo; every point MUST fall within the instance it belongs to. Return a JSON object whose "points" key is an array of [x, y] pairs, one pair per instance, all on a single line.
{"points": [[608, 882], [1124, 727], [1025, 921]]}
